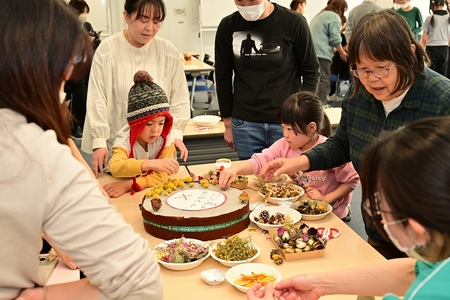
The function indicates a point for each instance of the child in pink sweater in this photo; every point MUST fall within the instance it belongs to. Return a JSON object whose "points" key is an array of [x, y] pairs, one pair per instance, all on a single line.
{"points": [[305, 125]]}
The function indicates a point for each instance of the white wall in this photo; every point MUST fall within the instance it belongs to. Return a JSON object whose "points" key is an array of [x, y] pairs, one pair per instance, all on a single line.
{"points": [[182, 25]]}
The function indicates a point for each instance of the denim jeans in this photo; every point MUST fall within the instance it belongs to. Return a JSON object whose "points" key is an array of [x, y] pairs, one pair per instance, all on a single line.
{"points": [[252, 137]]}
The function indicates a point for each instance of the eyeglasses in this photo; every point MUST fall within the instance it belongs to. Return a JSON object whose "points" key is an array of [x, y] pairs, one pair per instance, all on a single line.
{"points": [[368, 208], [377, 72]]}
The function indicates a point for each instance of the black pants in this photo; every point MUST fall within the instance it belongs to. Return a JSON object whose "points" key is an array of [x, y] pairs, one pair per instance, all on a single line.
{"points": [[439, 58], [77, 91]]}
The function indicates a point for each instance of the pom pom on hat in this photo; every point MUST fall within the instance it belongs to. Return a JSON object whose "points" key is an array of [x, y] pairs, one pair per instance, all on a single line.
{"points": [[145, 97]]}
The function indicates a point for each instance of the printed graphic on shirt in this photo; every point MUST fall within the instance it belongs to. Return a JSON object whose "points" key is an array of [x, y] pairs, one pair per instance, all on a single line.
{"points": [[251, 46]]}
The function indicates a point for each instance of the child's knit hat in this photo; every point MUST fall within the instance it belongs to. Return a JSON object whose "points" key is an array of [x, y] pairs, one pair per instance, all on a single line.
{"points": [[146, 101]]}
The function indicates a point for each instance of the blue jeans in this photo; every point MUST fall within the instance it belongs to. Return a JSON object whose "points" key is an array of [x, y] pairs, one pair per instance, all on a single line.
{"points": [[252, 137]]}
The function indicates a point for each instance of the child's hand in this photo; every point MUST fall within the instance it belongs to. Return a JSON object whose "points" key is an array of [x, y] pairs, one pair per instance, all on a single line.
{"points": [[117, 189], [166, 165], [314, 194], [226, 177]]}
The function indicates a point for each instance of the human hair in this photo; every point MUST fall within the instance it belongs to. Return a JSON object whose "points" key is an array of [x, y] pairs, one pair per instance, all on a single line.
{"points": [[146, 8], [295, 3], [80, 6], [385, 35], [36, 56], [433, 5], [411, 168], [338, 6], [302, 108]]}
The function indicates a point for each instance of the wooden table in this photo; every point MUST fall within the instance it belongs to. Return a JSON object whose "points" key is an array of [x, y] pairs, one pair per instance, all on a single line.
{"points": [[196, 68], [334, 114], [347, 251], [191, 133]]}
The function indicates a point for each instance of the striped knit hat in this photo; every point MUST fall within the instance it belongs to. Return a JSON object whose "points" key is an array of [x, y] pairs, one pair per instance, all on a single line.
{"points": [[146, 101]]}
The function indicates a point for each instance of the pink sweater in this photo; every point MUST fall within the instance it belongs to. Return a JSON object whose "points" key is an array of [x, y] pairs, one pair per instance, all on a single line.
{"points": [[325, 181]]}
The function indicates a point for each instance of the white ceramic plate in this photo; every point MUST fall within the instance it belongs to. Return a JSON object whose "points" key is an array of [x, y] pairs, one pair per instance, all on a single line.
{"points": [[184, 266], [312, 217], [206, 120], [275, 200], [294, 215], [229, 263], [236, 271]]}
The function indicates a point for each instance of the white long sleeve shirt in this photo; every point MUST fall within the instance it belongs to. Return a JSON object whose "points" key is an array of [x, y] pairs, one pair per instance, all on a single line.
{"points": [[114, 65], [43, 188]]}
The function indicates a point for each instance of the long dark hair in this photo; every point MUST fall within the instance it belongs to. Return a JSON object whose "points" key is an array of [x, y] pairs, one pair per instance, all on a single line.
{"points": [[433, 5], [295, 3], [40, 39], [145, 8], [385, 35], [302, 108], [338, 6], [411, 168]]}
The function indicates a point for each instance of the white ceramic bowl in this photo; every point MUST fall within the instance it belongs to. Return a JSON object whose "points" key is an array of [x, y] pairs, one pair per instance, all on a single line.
{"points": [[206, 120], [312, 217], [275, 200], [230, 263], [236, 271], [294, 215], [183, 266]]}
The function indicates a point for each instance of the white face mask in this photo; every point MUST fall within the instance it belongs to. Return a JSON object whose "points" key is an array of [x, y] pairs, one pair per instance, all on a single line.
{"points": [[411, 252], [62, 96], [82, 18], [396, 6], [252, 12], [405, 5]]}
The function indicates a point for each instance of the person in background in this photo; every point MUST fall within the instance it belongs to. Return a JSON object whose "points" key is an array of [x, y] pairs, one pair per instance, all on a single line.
{"points": [[436, 29], [44, 188], [391, 87], [412, 15], [298, 6], [415, 213], [395, 5], [305, 125], [357, 13], [77, 89], [252, 88], [115, 62], [326, 32], [143, 149]]}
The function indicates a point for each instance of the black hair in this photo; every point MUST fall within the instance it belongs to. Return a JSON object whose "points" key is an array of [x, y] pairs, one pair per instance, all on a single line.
{"points": [[144, 8], [302, 108]]}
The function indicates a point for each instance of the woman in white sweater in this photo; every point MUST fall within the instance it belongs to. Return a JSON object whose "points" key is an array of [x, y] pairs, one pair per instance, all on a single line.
{"points": [[116, 61], [44, 189]]}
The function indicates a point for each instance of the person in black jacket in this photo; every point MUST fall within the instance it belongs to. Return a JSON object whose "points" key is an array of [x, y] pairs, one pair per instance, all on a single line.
{"points": [[77, 90]]}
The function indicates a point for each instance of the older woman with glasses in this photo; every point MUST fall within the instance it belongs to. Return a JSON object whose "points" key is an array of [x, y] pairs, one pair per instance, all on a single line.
{"points": [[414, 210], [392, 87]]}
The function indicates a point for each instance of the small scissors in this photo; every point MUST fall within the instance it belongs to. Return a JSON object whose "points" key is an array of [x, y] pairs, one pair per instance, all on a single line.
{"points": [[329, 232]]}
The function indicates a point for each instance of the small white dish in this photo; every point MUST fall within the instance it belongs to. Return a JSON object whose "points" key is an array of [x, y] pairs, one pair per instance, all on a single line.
{"points": [[275, 200], [312, 217], [236, 272], [213, 276], [223, 162], [290, 215], [230, 263]]}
